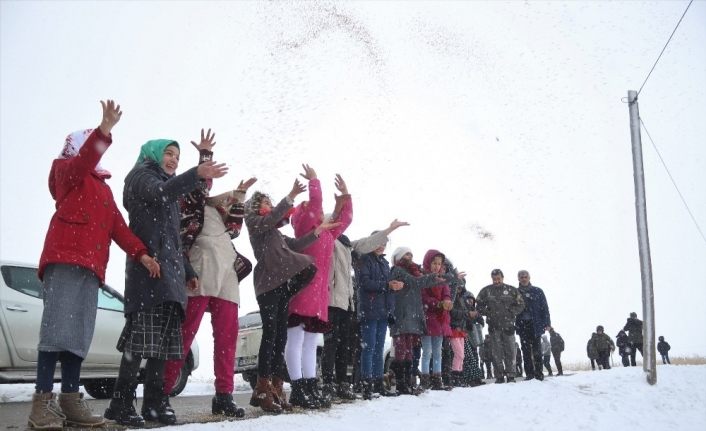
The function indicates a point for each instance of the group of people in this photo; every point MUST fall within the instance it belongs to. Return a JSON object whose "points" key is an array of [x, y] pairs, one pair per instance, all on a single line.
{"points": [[629, 342], [181, 262]]}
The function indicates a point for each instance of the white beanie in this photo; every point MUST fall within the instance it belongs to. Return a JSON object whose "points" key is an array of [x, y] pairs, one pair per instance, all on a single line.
{"points": [[399, 252]]}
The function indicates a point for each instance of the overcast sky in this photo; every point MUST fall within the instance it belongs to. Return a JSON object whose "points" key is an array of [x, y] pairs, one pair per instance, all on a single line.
{"points": [[498, 130]]}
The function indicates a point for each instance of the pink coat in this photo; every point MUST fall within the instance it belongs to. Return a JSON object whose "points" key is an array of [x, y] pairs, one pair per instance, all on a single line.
{"points": [[312, 301], [438, 320]]}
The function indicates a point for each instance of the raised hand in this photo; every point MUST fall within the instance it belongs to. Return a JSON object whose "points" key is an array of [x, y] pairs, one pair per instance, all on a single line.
{"points": [[461, 275], [211, 169], [396, 223], [326, 226], [297, 188], [341, 185], [446, 304], [245, 185], [111, 116], [207, 141], [309, 172], [193, 284], [151, 264]]}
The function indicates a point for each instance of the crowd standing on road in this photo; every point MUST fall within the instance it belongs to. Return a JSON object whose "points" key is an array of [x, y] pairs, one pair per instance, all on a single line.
{"points": [[182, 262]]}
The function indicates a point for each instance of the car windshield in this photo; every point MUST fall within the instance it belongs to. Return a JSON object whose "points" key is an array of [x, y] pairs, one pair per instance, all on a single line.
{"points": [[108, 301], [250, 320]]}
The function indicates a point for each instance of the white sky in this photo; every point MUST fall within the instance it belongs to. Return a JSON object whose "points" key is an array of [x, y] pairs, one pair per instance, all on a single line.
{"points": [[458, 116]]}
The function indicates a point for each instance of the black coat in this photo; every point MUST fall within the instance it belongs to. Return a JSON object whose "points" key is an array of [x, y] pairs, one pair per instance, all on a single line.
{"points": [[150, 197]]}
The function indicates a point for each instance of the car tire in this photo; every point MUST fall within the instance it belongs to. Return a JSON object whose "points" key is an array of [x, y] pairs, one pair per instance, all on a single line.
{"points": [[183, 376], [100, 389]]}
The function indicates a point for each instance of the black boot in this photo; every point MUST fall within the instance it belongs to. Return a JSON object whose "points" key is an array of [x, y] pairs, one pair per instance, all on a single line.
{"points": [[328, 392], [223, 404], [312, 387], [121, 408], [402, 377], [344, 392], [379, 387], [300, 396], [368, 389], [155, 405]]}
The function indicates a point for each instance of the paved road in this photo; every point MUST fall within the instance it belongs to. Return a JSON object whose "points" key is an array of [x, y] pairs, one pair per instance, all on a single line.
{"points": [[189, 409]]}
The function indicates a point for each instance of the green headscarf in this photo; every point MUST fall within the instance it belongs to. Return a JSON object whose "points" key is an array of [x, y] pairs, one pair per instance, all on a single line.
{"points": [[154, 150]]}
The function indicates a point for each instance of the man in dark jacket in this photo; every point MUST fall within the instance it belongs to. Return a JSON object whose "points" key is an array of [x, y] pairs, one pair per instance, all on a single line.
{"points": [[663, 348], [557, 347], [603, 345], [531, 324], [501, 303], [624, 348], [634, 329]]}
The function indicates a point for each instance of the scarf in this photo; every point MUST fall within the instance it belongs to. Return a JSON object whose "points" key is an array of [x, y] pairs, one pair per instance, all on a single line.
{"points": [[154, 150], [72, 145]]}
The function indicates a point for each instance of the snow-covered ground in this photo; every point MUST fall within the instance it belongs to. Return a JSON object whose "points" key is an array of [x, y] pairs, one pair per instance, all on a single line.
{"points": [[602, 400]]}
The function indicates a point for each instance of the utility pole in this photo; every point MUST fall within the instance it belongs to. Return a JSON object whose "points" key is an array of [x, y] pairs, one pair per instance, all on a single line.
{"points": [[649, 360]]}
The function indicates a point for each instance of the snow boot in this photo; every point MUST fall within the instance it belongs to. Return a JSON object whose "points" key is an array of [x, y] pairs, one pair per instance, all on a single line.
{"points": [[121, 408], [425, 381], [46, 413], [223, 404], [437, 383], [344, 392], [301, 397], [312, 388], [279, 395], [155, 404], [77, 411], [379, 387], [263, 396]]}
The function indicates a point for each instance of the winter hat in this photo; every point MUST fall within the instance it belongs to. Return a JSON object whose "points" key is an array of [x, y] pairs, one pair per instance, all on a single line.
{"points": [[72, 145], [154, 150], [661, 338], [399, 253]]}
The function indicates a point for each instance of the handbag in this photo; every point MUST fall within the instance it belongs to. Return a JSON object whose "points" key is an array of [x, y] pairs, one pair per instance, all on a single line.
{"points": [[242, 266], [476, 335]]}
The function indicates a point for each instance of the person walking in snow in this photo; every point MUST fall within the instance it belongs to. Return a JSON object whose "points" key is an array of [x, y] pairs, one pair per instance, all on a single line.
{"points": [[338, 342], [208, 226], [663, 348], [281, 272], [546, 354], [72, 267], [603, 345], [624, 348], [308, 309], [154, 307], [591, 352], [501, 303], [531, 324], [557, 344], [633, 327]]}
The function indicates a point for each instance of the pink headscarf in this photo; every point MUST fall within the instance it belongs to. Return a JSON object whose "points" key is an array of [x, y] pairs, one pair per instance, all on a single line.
{"points": [[73, 144]]}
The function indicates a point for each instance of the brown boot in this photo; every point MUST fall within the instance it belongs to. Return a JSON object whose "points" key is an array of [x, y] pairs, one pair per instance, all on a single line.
{"points": [[263, 396], [77, 411], [424, 381], [45, 414], [279, 395]]}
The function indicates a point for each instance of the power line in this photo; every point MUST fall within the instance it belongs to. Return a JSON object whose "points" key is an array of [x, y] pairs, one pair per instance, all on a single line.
{"points": [[673, 182], [665, 47]]}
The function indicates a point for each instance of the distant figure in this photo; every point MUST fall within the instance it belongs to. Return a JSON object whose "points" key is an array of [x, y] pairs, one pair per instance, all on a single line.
{"points": [[557, 347], [663, 349], [634, 329], [485, 353], [604, 346], [591, 352], [624, 348], [546, 354]]}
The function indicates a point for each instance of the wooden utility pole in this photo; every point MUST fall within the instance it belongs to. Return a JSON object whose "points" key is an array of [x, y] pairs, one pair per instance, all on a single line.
{"points": [[649, 360]]}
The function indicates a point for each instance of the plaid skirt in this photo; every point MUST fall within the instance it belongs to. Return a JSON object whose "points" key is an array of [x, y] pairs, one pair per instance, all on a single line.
{"points": [[155, 333]]}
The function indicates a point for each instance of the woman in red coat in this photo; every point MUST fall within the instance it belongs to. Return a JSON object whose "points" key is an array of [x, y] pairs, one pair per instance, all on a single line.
{"points": [[72, 267]]}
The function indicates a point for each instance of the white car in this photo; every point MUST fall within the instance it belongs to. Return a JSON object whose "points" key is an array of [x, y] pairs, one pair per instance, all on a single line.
{"points": [[21, 316]]}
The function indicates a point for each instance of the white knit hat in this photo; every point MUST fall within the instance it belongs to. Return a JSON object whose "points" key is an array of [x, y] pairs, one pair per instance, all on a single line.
{"points": [[399, 252]]}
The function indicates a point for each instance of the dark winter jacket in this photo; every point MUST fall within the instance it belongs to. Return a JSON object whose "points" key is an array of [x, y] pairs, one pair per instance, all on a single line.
{"points": [[501, 305], [150, 197], [460, 321], [663, 347], [536, 309], [277, 255], [602, 342], [409, 310], [623, 343], [591, 351], [634, 329], [556, 341], [375, 300]]}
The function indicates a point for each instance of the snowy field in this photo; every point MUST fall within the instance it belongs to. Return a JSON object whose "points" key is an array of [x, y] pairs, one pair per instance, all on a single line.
{"points": [[601, 400]]}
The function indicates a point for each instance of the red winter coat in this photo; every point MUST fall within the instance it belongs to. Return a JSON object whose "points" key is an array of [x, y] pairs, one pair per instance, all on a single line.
{"points": [[438, 320], [86, 217]]}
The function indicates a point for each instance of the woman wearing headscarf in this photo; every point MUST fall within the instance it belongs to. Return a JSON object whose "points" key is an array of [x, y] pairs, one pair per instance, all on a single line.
{"points": [[154, 308], [72, 267]]}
